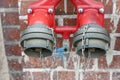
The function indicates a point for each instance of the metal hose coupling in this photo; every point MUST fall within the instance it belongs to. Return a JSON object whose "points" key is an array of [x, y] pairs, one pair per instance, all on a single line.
{"points": [[37, 41], [91, 40]]}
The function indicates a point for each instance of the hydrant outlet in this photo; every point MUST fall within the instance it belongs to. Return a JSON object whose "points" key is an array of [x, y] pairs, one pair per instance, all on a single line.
{"points": [[96, 40], [37, 41]]}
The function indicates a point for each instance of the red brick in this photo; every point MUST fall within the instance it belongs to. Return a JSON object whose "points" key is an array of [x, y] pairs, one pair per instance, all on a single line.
{"points": [[41, 76], [24, 6], [53, 61], [118, 3], [97, 76], [69, 22], [70, 63], [70, 7], [87, 62], [118, 27], [58, 61], [59, 42], [14, 65], [71, 60], [44, 63], [29, 0], [9, 3], [84, 62], [60, 8], [71, 44], [117, 44], [108, 25], [115, 62], [27, 76], [32, 63], [102, 63], [108, 7], [116, 76], [11, 34], [16, 76], [10, 18], [36, 76], [13, 50], [63, 75], [23, 25], [56, 22]]}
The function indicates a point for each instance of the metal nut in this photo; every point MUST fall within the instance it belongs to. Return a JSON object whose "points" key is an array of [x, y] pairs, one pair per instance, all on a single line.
{"points": [[80, 10], [29, 10], [101, 10], [50, 10]]}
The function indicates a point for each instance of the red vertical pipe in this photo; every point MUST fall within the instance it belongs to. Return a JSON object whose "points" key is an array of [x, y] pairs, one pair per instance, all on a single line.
{"points": [[40, 14], [90, 14]]}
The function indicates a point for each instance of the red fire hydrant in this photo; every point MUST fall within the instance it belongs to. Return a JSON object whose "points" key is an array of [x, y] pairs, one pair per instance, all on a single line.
{"points": [[38, 39]]}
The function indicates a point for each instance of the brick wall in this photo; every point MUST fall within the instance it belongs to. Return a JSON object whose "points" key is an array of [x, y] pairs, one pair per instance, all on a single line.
{"points": [[11, 29], [14, 20]]}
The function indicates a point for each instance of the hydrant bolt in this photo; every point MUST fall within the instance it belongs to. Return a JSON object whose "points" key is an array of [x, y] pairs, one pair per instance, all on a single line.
{"points": [[29, 10], [80, 10], [101, 10], [50, 10]]}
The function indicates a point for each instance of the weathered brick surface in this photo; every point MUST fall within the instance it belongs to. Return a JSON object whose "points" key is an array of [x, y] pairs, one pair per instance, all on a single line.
{"points": [[15, 65], [23, 24], [116, 76], [118, 28], [107, 25], [70, 7], [12, 34], [97, 76], [69, 22], [108, 7], [87, 62], [41, 76], [43, 63], [102, 63], [24, 7], [16, 76], [60, 8], [59, 42], [9, 3], [13, 50], [115, 62], [36, 76], [117, 44], [10, 18], [64, 75], [28, 74], [32, 63]]}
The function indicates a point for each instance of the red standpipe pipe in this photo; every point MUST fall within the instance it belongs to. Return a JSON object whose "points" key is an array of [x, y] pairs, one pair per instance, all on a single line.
{"points": [[40, 14], [88, 12]]}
